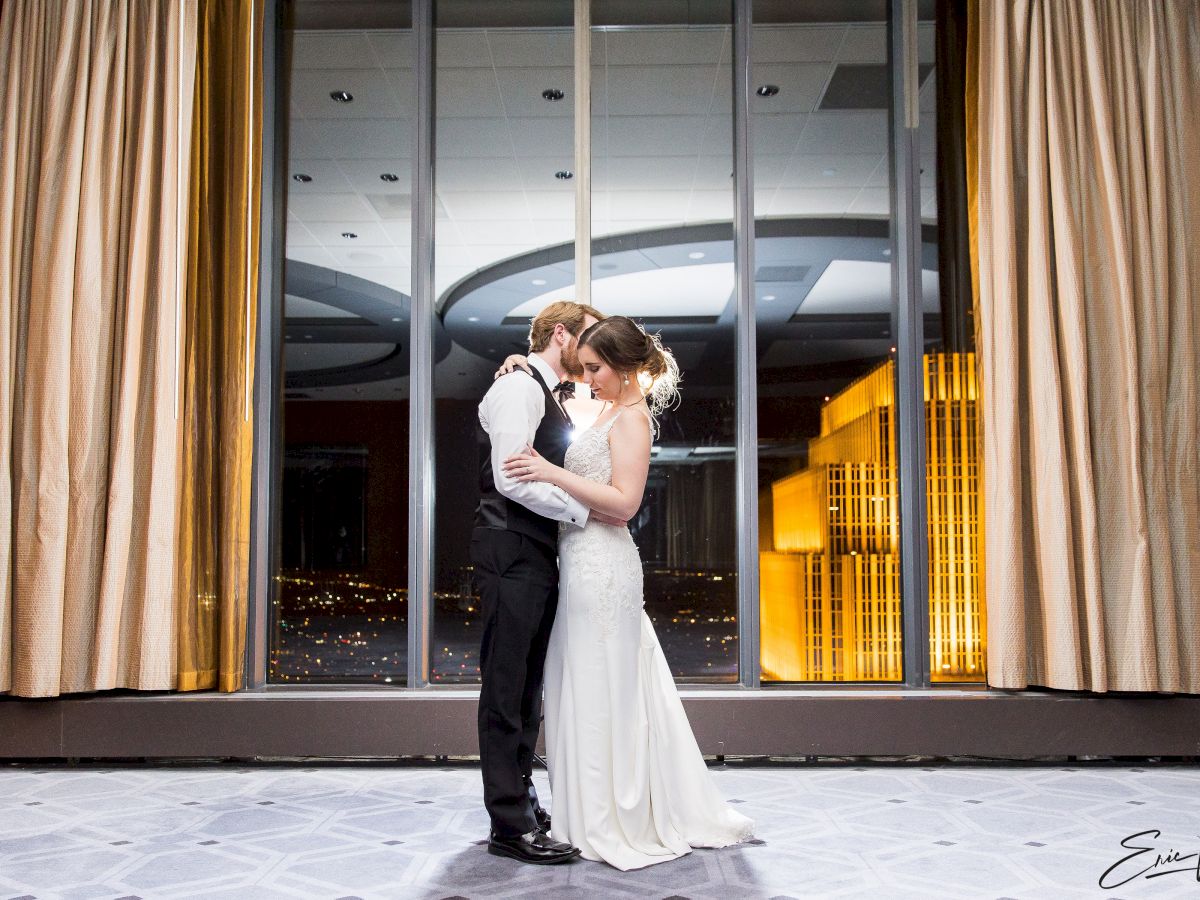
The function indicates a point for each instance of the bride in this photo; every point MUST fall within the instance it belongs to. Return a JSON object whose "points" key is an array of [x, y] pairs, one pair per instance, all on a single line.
{"points": [[628, 781]]}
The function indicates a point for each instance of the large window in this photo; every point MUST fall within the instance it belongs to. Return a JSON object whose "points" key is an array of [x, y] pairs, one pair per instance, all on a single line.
{"points": [[503, 112], [340, 610], [663, 175], [829, 563], [504, 249], [662, 212]]}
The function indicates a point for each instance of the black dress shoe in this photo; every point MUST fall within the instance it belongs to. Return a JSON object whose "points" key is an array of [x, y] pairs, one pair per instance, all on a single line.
{"points": [[534, 847]]}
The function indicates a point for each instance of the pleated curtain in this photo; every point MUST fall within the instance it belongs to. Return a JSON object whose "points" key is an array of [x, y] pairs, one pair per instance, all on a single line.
{"points": [[90, 223], [1087, 210], [217, 421], [124, 499]]}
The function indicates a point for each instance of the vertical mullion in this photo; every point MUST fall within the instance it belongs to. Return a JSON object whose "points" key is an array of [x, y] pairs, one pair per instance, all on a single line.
{"points": [[908, 326], [268, 350], [420, 439], [749, 638], [583, 151]]}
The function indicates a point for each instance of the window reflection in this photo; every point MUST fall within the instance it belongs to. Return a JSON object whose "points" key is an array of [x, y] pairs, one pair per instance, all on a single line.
{"points": [[662, 205], [502, 134], [662, 208], [829, 551], [340, 606]]}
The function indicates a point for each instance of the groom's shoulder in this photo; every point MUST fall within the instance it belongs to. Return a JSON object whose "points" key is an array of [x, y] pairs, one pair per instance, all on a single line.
{"points": [[516, 383]]}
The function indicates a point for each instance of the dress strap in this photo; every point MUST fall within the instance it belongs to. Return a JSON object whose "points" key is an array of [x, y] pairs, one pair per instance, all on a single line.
{"points": [[607, 426]]}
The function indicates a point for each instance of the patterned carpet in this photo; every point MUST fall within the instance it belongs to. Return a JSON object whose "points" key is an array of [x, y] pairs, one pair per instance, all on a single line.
{"points": [[373, 831]]}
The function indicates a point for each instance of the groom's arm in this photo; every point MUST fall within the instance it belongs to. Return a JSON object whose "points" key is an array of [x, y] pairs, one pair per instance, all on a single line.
{"points": [[510, 413]]}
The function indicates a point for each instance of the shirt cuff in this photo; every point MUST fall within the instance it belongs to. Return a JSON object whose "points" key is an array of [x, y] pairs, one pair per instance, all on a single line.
{"points": [[576, 512]]}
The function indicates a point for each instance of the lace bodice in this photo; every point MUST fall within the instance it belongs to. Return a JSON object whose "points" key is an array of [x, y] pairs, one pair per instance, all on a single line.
{"points": [[589, 454], [601, 558]]}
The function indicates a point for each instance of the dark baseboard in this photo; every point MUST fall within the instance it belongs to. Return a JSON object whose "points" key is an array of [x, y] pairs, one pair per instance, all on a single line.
{"points": [[338, 723]]}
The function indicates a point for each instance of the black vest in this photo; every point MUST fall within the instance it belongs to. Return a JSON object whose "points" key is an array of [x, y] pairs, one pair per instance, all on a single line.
{"points": [[551, 439]]}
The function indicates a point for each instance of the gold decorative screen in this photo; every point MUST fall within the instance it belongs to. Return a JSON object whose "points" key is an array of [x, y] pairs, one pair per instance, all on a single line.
{"points": [[830, 585]]}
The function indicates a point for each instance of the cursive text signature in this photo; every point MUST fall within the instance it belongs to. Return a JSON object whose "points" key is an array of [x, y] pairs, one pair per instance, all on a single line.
{"points": [[1141, 863]]}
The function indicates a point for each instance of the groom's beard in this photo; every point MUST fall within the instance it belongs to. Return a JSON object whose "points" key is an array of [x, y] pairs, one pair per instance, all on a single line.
{"points": [[570, 363]]}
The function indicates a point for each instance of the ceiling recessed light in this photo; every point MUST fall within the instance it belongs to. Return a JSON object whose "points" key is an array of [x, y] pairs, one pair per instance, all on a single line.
{"points": [[349, 235], [308, 337], [341, 96], [538, 281], [396, 318], [767, 90], [695, 254], [564, 175], [768, 296], [472, 318], [552, 94], [302, 178], [887, 251], [389, 177]]}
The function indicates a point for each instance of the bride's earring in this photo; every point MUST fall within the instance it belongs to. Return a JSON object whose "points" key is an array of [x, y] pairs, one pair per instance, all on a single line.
{"points": [[627, 379]]}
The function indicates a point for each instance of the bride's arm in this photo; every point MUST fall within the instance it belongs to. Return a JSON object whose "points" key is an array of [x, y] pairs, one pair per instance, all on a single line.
{"points": [[629, 441], [597, 516]]}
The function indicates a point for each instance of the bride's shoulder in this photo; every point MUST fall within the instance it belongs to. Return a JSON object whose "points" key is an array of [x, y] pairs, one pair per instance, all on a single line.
{"points": [[633, 424]]}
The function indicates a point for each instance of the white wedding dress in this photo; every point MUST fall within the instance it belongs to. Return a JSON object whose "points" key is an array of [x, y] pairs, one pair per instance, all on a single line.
{"points": [[628, 783]]}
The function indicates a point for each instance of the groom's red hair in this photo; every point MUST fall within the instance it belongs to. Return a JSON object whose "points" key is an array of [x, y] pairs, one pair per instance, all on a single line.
{"points": [[567, 313]]}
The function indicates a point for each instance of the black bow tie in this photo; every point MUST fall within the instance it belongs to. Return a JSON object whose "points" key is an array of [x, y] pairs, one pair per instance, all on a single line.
{"points": [[564, 390]]}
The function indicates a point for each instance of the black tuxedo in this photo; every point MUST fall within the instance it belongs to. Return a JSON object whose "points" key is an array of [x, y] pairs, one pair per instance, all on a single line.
{"points": [[515, 556]]}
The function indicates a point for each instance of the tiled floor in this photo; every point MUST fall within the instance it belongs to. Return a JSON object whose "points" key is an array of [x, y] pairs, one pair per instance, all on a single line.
{"points": [[393, 832]]}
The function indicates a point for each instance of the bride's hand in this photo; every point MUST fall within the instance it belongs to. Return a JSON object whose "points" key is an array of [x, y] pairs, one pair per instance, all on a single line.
{"points": [[531, 466], [511, 364]]}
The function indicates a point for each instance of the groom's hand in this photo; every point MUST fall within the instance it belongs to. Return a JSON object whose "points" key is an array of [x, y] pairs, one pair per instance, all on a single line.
{"points": [[607, 520]]}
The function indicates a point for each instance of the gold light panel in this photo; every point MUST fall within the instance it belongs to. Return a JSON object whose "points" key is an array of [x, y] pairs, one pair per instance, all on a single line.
{"points": [[830, 585]]}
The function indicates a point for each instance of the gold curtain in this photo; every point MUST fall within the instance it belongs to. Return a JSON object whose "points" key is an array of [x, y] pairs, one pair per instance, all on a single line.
{"points": [[222, 282], [1089, 293], [89, 262]]}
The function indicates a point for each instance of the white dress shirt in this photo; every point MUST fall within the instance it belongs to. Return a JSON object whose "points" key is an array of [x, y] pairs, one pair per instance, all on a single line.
{"points": [[510, 413]]}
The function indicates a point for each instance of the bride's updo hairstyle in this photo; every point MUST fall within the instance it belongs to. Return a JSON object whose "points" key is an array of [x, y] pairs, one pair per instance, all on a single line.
{"points": [[627, 349]]}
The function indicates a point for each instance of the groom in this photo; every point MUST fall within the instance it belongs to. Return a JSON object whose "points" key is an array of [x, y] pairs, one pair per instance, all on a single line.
{"points": [[514, 552]]}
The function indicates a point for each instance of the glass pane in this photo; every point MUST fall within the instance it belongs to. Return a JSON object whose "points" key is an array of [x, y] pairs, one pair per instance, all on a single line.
{"points": [[340, 609], [957, 616], [662, 212], [504, 236], [829, 549], [505, 249]]}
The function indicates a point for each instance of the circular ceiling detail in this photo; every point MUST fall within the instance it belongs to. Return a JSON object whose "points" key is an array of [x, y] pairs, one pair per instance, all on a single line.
{"points": [[828, 280], [340, 329]]}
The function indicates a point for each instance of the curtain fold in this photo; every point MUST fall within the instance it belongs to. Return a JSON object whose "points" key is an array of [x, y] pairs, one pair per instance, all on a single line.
{"points": [[1088, 166], [89, 257], [219, 322]]}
